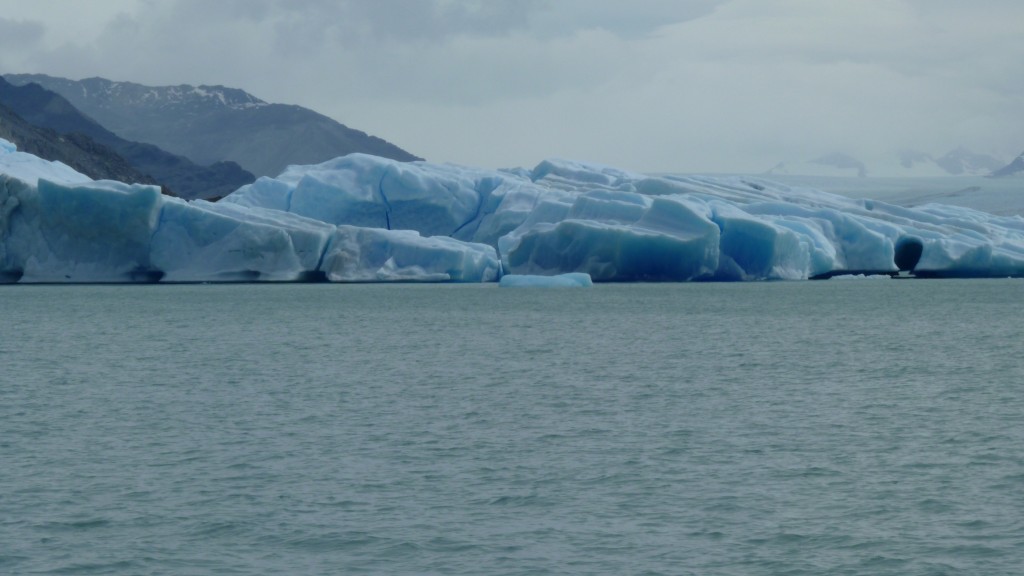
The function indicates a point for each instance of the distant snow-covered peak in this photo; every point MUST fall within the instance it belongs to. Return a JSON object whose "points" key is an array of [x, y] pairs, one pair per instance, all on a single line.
{"points": [[130, 94], [1014, 169], [904, 163], [833, 165], [962, 161]]}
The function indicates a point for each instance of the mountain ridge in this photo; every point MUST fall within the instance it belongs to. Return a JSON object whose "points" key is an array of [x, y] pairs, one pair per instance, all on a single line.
{"points": [[212, 123], [47, 109], [905, 163], [1015, 168]]}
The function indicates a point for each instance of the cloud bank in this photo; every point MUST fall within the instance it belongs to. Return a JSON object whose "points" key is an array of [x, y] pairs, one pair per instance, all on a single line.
{"points": [[651, 85]]}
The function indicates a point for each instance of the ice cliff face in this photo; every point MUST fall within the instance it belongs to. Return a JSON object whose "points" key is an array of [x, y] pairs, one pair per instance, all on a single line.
{"points": [[57, 225], [619, 226], [367, 219]]}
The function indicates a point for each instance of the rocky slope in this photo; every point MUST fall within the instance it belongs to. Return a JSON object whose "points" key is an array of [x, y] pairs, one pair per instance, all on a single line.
{"points": [[214, 123], [76, 150], [46, 109]]}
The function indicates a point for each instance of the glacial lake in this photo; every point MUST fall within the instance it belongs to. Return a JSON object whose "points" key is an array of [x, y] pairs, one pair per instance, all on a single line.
{"points": [[833, 427]]}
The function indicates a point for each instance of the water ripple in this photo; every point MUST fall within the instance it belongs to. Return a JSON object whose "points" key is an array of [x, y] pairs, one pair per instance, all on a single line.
{"points": [[778, 428]]}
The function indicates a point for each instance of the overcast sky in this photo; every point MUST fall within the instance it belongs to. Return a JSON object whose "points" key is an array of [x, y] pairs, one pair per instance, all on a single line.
{"points": [[648, 85]]}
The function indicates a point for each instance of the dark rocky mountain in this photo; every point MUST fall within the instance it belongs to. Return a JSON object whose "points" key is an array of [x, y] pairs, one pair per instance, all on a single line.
{"points": [[76, 150], [1015, 168], [46, 109], [215, 123]]}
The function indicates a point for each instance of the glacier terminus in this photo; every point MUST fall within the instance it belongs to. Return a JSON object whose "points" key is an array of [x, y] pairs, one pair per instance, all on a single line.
{"points": [[361, 218]]}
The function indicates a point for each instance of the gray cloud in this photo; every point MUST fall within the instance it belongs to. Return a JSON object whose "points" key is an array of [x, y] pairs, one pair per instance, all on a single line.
{"points": [[649, 84], [404, 22], [16, 34], [629, 20]]}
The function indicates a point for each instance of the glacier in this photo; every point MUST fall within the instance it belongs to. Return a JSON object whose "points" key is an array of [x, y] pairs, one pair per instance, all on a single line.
{"points": [[362, 218], [57, 225]]}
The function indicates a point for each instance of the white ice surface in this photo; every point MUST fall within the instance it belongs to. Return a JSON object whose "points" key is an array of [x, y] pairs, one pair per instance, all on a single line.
{"points": [[359, 254], [361, 218], [570, 280]]}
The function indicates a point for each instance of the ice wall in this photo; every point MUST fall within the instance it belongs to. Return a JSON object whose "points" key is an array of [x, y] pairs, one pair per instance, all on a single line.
{"points": [[358, 254], [616, 225], [361, 218], [59, 226]]}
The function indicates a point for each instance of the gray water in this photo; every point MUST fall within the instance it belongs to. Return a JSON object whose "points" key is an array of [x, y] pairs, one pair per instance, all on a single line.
{"points": [[871, 427]]}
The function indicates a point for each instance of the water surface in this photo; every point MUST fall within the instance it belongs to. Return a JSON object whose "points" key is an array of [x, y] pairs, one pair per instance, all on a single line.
{"points": [[872, 427]]}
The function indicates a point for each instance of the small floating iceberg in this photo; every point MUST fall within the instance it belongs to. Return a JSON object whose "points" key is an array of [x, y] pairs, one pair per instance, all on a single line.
{"points": [[570, 280], [848, 277]]}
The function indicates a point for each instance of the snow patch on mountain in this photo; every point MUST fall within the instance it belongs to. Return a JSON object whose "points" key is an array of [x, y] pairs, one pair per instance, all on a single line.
{"points": [[900, 164], [181, 96]]}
